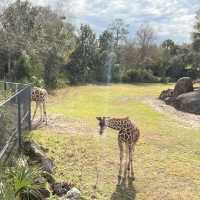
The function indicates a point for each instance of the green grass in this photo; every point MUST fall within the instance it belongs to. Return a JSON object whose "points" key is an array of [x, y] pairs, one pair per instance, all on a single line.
{"points": [[166, 159]]}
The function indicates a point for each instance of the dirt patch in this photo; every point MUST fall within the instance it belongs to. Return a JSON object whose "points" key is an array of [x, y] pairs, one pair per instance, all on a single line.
{"points": [[187, 120], [60, 124]]}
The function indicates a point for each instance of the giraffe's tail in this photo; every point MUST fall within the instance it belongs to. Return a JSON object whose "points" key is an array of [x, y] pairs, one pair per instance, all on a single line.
{"points": [[137, 134]]}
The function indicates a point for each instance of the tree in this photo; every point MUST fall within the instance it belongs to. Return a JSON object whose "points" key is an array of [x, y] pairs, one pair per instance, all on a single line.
{"points": [[83, 59], [196, 33], [106, 40], [16, 22], [54, 40], [144, 40], [39, 33], [119, 30], [106, 58], [129, 54], [170, 46]]}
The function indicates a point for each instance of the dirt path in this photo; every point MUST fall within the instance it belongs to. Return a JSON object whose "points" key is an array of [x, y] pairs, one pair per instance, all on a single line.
{"points": [[60, 124], [186, 119]]}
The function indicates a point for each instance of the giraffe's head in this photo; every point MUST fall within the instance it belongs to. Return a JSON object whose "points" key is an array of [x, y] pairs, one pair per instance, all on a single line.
{"points": [[103, 123]]}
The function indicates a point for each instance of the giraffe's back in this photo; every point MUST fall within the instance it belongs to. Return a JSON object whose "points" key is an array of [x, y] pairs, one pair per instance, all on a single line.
{"points": [[39, 94], [130, 132]]}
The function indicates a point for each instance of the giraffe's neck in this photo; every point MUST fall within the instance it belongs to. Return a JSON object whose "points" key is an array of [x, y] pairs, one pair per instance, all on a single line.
{"points": [[117, 124]]}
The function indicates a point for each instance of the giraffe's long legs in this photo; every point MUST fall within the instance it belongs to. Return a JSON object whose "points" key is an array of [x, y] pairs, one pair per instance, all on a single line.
{"points": [[130, 165], [41, 112], [121, 154], [126, 161], [36, 108], [131, 157], [45, 112]]}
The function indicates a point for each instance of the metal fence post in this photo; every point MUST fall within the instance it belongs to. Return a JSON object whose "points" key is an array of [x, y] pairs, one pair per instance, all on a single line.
{"points": [[29, 107], [5, 86], [5, 89], [19, 121]]}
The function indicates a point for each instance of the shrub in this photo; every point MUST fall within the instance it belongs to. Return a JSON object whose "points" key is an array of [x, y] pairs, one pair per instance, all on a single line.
{"points": [[165, 79], [139, 75], [37, 81], [21, 180]]}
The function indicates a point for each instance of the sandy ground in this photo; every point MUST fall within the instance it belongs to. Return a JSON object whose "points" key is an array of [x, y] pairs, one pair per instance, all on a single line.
{"points": [[186, 119], [61, 124]]}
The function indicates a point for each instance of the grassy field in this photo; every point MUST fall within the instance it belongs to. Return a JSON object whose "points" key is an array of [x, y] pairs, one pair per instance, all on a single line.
{"points": [[166, 159]]}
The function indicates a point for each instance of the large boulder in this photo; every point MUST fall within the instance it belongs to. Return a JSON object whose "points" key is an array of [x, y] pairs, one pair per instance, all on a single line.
{"points": [[189, 102], [183, 85]]}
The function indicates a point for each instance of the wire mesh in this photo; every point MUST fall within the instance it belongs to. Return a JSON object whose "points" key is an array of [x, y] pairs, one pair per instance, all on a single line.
{"points": [[15, 114]]}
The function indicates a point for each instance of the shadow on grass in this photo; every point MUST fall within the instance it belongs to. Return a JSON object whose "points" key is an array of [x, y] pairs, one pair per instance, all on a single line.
{"points": [[124, 192]]}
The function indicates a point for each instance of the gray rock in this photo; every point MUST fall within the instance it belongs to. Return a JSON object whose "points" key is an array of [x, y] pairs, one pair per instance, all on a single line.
{"points": [[44, 193], [36, 154], [189, 102], [166, 94], [170, 101], [73, 194], [60, 189], [183, 85]]}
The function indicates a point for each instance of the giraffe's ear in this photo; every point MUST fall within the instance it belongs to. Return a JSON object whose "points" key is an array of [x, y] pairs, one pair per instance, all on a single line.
{"points": [[98, 118]]}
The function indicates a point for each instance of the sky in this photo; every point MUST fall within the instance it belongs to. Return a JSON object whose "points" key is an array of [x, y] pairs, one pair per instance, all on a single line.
{"points": [[171, 19]]}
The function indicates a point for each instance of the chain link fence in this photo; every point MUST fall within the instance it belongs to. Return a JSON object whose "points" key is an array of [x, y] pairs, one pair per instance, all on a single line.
{"points": [[15, 117]]}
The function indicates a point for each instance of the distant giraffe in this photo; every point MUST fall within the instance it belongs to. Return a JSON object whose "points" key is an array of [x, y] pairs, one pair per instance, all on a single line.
{"points": [[40, 96], [128, 135]]}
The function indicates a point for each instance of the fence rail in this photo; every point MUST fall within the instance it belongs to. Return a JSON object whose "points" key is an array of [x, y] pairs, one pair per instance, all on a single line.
{"points": [[15, 117]]}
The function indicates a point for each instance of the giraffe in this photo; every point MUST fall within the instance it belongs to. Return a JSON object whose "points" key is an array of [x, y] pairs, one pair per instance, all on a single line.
{"points": [[128, 135], [40, 96]]}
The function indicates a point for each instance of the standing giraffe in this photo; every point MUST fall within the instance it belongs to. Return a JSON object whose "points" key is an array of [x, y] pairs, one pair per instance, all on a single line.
{"points": [[40, 96], [128, 136]]}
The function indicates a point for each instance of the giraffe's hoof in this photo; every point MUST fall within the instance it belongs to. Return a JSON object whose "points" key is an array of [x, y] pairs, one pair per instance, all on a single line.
{"points": [[123, 180], [120, 177], [131, 178]]}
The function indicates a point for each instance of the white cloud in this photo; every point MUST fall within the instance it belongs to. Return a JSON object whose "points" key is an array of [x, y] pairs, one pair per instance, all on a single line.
{"points": [[171, 19]]}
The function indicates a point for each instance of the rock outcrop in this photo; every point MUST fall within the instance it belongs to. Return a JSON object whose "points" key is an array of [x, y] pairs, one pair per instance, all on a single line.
{"points": [[183, 96], [189, 102], [36, 154], [183, 85], [166, 93]]}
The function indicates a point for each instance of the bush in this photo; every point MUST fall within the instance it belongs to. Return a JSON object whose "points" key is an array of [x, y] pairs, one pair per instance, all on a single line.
{"points": [[115, 73], [38, 82], [165, 79], [20, 182], [139, 75]]}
